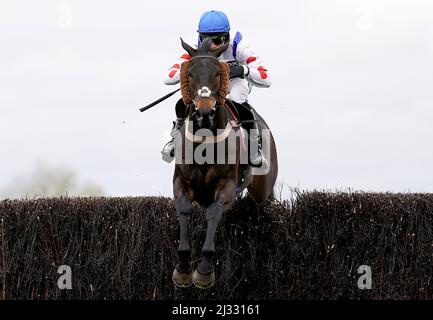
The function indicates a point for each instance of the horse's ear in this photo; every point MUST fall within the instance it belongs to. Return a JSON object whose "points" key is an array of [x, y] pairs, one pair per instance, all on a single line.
{"points": [[218, 51], [191, 51]]}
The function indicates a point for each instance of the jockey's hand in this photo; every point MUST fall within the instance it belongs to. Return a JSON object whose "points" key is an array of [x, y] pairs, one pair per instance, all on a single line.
{"points": [[237, 71]]}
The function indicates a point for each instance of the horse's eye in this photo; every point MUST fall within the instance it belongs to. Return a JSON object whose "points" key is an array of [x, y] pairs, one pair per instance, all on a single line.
{"points": [[190, 74]]}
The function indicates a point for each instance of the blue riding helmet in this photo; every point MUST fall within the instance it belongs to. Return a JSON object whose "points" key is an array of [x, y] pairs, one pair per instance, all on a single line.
{"points": [[213, 22]]}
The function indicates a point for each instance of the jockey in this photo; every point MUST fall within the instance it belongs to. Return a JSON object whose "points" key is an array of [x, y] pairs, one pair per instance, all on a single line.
{"points": [[246, 70]]}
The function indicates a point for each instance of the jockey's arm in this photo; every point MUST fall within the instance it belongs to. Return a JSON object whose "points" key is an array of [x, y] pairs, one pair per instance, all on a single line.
{"points": [[172, 76], [254, 70]]}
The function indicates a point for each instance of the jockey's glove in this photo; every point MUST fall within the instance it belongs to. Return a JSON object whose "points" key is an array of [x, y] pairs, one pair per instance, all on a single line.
{"points": [[238, 71]]}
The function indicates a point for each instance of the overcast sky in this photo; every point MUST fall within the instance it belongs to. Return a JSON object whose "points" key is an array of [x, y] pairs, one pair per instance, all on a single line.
{"points": [[351, 105]]}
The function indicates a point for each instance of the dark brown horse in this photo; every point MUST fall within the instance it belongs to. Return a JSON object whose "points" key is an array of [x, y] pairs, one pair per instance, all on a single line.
{"points": [[215, 182]]}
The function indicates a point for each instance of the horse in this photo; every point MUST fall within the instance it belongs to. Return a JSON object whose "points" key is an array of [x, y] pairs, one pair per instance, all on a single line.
{"points": [[212, 185]]}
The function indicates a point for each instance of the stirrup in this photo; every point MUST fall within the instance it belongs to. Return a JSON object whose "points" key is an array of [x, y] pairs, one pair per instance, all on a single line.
{"points": [[258, 155], [169, 148], [168, 152], [264, 164]]}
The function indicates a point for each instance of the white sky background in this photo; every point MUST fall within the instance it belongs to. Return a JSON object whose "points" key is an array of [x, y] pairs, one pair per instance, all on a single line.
{"points": [[351, 103]]}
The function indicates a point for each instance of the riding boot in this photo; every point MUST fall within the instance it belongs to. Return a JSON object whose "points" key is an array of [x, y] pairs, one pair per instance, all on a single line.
{"points": [[257, 158], [168, 150], [256, 154]]}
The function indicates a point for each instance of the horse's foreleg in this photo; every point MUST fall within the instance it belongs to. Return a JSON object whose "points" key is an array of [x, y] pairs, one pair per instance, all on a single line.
{"points": [[182, 275], [204, 276]]}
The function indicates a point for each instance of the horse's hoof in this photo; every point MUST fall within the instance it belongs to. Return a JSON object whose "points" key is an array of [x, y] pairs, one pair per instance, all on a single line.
{"points": [[203, 281], [182, 280]]}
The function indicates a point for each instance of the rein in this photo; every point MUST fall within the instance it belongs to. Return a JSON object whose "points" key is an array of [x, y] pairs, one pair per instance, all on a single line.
{"points": [[208, 139], [219, 137]]}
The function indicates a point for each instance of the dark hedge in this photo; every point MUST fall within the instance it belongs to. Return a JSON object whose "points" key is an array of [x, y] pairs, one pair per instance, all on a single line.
{"points": [[308, 248]]}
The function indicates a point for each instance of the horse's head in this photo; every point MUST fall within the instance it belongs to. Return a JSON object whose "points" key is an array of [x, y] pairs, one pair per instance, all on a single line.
{"points": [[204, 81]]}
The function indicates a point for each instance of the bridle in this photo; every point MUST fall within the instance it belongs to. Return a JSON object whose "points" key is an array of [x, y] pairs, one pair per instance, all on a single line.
{"points": [[204, 92]]}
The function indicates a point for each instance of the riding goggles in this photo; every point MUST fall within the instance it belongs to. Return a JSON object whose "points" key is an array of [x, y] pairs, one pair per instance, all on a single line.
{"points": [[216, 39]]}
